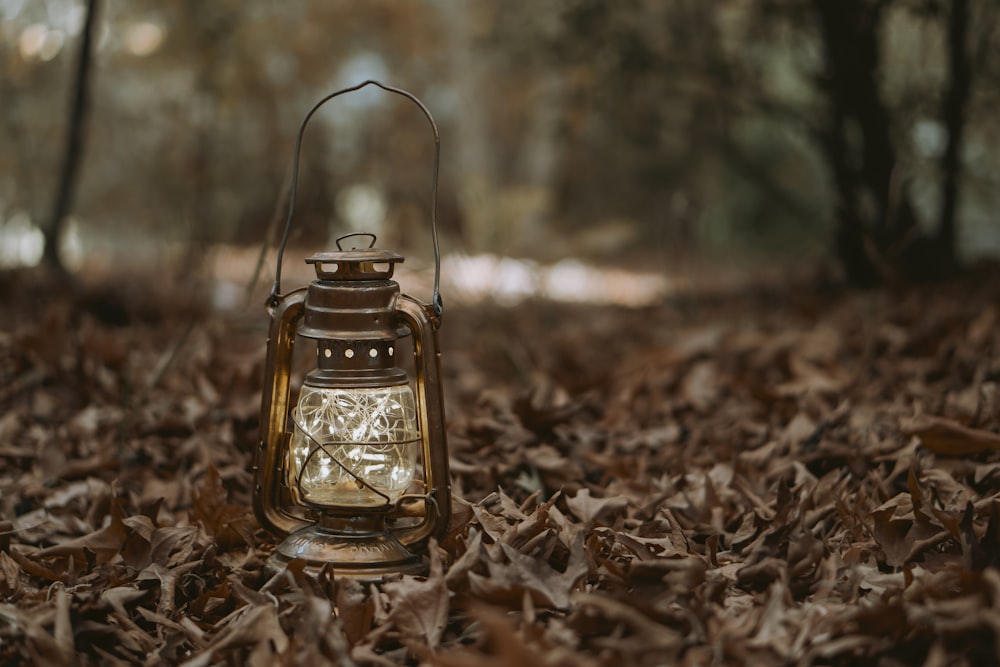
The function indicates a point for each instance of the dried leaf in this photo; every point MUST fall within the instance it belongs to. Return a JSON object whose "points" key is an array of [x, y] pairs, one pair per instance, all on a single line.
{"points": [[104, 543], [355, 610], [256, 627], [419, 607], [507, 582], [227, 522], [588, 509], [949, 438]]}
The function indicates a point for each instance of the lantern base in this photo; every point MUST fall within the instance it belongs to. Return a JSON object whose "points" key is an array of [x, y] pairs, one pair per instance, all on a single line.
{"points": [[357, 555]]}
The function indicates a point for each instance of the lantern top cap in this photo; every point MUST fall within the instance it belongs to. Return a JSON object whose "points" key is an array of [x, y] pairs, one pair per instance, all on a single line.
{"points": [[376, 255], [367, 264]]}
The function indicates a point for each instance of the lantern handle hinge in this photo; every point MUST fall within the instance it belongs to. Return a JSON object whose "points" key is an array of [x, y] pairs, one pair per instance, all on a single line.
{"points": [[276, 286]]}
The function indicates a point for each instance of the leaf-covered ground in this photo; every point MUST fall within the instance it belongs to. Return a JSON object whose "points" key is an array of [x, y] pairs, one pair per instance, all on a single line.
{"points": [[787, 476]]}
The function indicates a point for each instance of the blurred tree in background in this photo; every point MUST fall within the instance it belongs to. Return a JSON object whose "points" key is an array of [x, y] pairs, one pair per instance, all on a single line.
{"points": [[879, 233], [860, 130]]}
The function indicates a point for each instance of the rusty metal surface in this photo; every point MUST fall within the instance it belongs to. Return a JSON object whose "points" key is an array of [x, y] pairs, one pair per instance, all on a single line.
{"points": [[269, 502]]}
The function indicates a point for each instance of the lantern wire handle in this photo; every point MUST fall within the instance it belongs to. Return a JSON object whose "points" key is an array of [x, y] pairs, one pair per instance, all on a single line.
{"points": [[340, 239], [276, 287]]}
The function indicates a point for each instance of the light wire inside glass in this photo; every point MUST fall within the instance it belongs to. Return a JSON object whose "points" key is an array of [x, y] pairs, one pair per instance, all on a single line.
{"points": [[355, 447]]}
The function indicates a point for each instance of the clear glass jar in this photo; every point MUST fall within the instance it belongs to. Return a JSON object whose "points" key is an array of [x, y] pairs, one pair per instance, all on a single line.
{"points": [[353, 447]]}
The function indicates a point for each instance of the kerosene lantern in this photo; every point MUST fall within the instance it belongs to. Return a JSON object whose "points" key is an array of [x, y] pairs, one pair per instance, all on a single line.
{"points": [[355, 474]]}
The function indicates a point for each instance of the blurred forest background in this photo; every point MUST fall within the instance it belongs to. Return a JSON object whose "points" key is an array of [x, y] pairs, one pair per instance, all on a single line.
{"points": [[779, 473], [858, 134]]}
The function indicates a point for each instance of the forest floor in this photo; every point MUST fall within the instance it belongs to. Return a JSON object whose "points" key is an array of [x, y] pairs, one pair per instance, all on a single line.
{"points": [[782, 476]]}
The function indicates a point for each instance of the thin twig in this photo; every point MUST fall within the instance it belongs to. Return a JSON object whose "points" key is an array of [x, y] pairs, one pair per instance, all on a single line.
{"points": [[167, 358]]}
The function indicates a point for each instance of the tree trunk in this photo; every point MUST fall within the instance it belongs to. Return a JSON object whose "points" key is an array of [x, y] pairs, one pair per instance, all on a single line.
{"points": [[473, 149], [955, 104], [74, 144], [876, 220]]}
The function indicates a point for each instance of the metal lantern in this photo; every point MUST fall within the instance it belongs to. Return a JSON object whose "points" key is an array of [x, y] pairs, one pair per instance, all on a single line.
{"points": [[355, 474]]}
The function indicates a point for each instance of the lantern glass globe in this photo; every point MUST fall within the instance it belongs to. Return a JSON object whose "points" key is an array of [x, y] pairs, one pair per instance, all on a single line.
{"points": [[353, 447]]}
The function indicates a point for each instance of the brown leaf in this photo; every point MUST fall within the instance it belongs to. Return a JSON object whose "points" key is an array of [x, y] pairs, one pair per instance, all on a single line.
{"points": [[62, 631], [987, 550], [557, 470], [228, 523], [892, 535], [645, 636], [588, 509], [545, 406], [500, 644], [105, 543], [419, 607], [701, 387], [256, 627], [760, 575], [355, 609], [461, 568], [36, 569], [118, 599], [492, 525], [681, 573], [948, 437], [507, 582], [776, 621], [44, 648], [810, 378], [10, 577]]}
